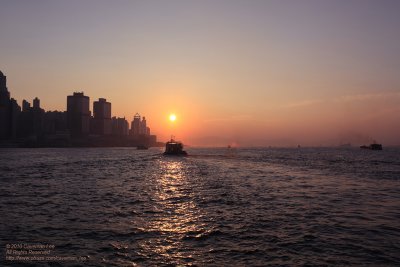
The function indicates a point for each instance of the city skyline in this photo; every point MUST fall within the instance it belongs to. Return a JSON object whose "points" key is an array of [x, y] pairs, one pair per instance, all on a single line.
{"points": [[254, 74], [78, 125]]}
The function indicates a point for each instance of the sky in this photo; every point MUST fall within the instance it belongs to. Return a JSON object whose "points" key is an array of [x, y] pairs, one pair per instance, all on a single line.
{"points": [[246, 73]]}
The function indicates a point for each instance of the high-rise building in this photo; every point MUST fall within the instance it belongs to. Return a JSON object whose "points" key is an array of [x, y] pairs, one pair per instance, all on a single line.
{"points": [[4, 108], [139, 126], [101, 117], [15, 111], [26, 106], [143, 126], [9, 111], [120, 126], [4, 94], [30, 121], [55, 129], [36, 103], [38, 115], [55, 122], [78, 114], [135, 125]]}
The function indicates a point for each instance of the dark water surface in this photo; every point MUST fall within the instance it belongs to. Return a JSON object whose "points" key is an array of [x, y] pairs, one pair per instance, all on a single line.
{"points": [[244, 207]]}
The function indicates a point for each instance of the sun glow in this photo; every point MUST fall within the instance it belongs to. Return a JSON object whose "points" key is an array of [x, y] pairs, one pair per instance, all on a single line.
{"points": [[172, 117]]}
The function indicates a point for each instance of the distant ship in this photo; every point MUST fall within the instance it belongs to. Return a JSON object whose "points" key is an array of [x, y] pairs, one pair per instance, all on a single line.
{"points": [[373, 146], [174, 148], [142, 147]]}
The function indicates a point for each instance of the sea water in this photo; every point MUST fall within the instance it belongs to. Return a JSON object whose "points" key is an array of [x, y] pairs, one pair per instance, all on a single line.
{"points": [[216, 207]]}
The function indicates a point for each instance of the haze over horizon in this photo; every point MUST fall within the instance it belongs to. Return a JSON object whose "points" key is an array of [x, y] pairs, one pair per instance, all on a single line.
{"points": [[252, 73]]}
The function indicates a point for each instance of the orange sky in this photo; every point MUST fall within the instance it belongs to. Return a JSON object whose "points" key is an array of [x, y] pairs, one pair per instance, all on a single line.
{"points": [[261, 73]]}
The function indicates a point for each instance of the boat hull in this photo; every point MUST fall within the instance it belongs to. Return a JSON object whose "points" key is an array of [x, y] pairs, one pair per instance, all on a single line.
{"points": [[182, 153]]}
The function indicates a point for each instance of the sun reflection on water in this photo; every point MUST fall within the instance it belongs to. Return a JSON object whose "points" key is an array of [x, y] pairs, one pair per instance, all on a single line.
{"points": [[177, 218]]}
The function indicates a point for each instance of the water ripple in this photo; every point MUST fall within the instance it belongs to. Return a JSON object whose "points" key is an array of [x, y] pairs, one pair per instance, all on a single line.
{"points": [[248, 207]]}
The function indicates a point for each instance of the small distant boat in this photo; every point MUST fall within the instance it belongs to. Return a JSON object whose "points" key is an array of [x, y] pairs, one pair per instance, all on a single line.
{"points": [[142, 147], [174, 148], [373, 146]]}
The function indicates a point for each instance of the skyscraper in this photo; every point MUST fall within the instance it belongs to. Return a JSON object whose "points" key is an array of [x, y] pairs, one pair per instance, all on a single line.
{"points": [[139, 126], [101, 117], [78, 114], [9, 111], [26, 106], [4, 94], [135, 125], [143, 126], [36, 103], [30, 121], [120, 126], [4, 107]]}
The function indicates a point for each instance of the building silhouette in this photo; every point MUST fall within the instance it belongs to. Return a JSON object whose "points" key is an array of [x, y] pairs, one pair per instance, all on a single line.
{"points": [[33, 126], [36, 103], [135, 125], [55, 129], [9, 111], [143, 126], [30, 120], [78, 114], [101, 122], [140, 132], [120, 126], [55, 123], [25, 105], [15, 110], [139, 126]]}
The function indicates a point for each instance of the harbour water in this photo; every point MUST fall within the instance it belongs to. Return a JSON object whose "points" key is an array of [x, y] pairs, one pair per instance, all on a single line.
{"points": [[216, 207]]}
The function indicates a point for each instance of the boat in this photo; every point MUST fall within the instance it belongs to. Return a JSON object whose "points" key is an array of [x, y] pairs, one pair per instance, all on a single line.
{"points": [[174, 148], [142, 147], [373, 146]]}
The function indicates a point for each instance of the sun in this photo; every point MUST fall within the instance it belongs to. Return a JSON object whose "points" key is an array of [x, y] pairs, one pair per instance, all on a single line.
{"points": [[172, 117]]}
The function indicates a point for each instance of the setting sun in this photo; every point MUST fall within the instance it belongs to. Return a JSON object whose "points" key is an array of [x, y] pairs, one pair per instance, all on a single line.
{"points": [[172, 117]]}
